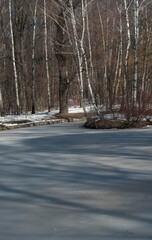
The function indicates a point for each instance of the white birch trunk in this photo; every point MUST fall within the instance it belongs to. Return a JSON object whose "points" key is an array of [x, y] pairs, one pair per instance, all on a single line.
{"points": [[107, 82], [89, 82], [1, 102], [146, 53], [78, 55], [120, 56], [85, 58], [136, 32], [13, 57], [2, 70], [89, 43], [111, 50], [46, 58], [127, 52], [116, 72], [104, 53], [33, 59]]}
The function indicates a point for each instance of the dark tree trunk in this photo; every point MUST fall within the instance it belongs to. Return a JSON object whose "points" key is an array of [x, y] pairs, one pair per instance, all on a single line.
{"points": [[62, 58], [63, 93]]}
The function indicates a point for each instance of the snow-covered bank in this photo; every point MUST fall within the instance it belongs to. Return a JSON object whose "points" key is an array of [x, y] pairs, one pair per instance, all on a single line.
{"points": [[39, 115], [40, 118], [75, 114]]}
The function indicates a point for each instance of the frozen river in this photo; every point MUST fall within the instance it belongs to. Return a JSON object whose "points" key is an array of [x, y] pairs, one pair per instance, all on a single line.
{"points": [[64, 182]]}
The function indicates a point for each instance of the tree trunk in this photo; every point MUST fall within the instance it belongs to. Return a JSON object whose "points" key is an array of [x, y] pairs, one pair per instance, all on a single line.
{"points": [[83, 6], [147, 50], [79, 59], [62, 62], [105, 78], [2, 70], [89, 44], [120, 51], [136, 32], [1, 104], [63, 91], [46, 59], [126, 98], [13, 57], [33, 59]]}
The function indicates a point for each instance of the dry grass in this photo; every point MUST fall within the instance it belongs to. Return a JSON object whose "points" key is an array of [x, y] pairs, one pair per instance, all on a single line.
{"points": [[109, 124], [72, 115]]}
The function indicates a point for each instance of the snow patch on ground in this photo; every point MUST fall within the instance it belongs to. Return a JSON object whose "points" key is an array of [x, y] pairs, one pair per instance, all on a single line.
{"points": [[11, 120], [31, 117], [39, 116]]}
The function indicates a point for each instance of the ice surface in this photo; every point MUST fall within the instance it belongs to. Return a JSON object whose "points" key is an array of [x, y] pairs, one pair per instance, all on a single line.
{"points": [[65, 182]]}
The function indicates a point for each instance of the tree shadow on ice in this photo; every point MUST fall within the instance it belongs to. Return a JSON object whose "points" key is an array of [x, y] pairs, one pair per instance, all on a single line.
{"points": [[88, 162], [135, 145]]}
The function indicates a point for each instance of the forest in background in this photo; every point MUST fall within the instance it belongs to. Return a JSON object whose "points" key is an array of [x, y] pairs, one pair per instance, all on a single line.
{"points": [[54, 52]]}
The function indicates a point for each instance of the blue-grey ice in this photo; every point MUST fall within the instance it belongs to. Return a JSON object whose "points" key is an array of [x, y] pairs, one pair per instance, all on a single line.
{"points": [[65, 182]]}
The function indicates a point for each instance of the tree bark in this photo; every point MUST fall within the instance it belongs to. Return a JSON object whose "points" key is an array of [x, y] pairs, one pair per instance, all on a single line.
{"points": [[105, 78], [14, 61], [33, 58], [120, 50], [144, 77], [126, 97], [62, 59], [79, 59], [1, 104], [46, 58], [136, 36], [2, 70]]}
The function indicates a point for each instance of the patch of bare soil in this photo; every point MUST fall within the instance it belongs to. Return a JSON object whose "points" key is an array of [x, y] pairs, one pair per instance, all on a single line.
{"points": [[109, 124]]}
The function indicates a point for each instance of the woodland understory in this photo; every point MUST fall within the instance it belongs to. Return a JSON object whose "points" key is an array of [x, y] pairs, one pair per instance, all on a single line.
{"points": [[54, 54]]}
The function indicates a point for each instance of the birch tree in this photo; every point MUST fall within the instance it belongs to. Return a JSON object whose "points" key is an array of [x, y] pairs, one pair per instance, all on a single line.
{"points": [[119, 61], [89, 43], [61, 57], [83, 7], [83, 54], [147, 50], [2, 61], [78, 55], [104, 55], [127, 53], [62, 51], [136, 38], [33, 57], [2, 49], [105, 77], [46, 57], [13, 58]]}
